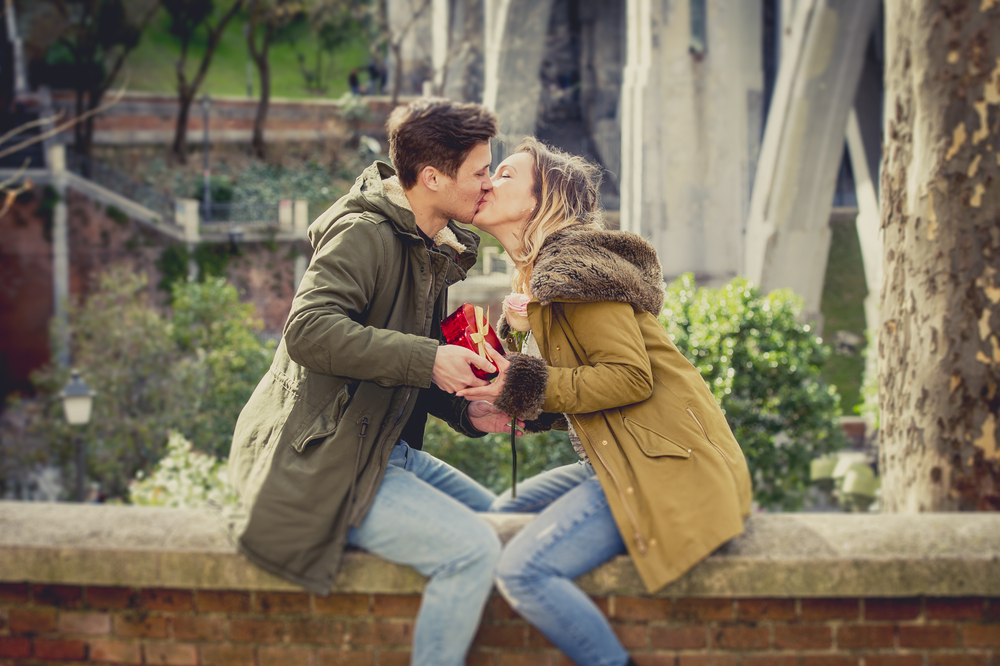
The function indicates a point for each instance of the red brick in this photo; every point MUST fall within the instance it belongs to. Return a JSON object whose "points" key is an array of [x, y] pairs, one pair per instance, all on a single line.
{"points": [[286, 656], [928, 636], [381, 634], [802, 637], [32, 621], [13, 593], [281, 602], [519, 659], [678, 638], [538, 641], [343, 604], [60, 596], [167, 600], [346, 658], [116, 652], [396, 605], [894, 660], [603, 604], [503, 636], [769, 660], [957, 660], [830, 609], [855, 636], [981, 635], [632, 636], [829, 660], [317, 631], [56, 650], [696, 610], [765, 609], [954, 609], [992, 610], [480, 659], [499, 609], [256, 631], [198, 628], [112, 598], [394, 657], [641, 659], [637, 608], [892, 609], [212, 601], [88, 624], [172, 654], [705, 660], [15, 647], [226, 655], [742, 638], [140, 625]]}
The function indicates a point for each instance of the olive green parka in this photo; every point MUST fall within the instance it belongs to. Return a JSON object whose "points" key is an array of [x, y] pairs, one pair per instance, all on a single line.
{"points": [[350, 377], [675, 477]]}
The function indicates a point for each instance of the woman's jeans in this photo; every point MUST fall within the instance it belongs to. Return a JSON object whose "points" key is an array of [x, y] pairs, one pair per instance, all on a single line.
{"points": [[573, 533], [424, 515]]}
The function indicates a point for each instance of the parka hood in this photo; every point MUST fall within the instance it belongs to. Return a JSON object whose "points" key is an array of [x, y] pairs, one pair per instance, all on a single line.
{"points": [[584, 264], [368, 195]]}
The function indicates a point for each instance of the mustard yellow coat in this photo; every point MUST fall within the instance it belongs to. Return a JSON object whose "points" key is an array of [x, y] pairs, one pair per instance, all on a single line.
{"points": [[674, 475]]}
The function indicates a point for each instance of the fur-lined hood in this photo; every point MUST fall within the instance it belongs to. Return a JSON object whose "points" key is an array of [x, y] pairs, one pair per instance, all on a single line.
{"points": [[587, 264]]}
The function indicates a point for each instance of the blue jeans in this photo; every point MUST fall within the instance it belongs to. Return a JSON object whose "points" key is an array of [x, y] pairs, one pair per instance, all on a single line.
{"points": [[573, 533], [424, 515]]}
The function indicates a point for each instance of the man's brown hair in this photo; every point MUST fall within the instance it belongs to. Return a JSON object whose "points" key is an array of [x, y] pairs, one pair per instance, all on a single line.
{"points": [[436, 132]]}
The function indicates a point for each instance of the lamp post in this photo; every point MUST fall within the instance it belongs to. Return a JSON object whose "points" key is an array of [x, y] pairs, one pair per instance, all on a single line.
{"points": [[78, 399], [206, 103]]}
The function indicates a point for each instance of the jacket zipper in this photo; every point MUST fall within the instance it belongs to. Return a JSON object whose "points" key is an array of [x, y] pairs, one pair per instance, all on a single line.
{"points": [[714, 446], [406, 398], [640, 541]]}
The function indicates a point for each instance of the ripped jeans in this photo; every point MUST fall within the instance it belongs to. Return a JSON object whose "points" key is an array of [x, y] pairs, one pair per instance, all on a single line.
{"points": [[573, 533]]}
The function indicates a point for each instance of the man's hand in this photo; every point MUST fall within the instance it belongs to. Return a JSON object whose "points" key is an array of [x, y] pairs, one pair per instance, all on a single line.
{"points": [[486, 418], [451, 368], [484, 391]]}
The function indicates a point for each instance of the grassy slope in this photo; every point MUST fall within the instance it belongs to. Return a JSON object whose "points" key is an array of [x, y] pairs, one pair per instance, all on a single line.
{"points": [[152, 66], [844, 292]]}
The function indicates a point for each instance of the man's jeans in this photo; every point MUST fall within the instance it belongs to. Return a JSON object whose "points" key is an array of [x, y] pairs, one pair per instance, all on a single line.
{"points": [[424, 516], [573, 533]]}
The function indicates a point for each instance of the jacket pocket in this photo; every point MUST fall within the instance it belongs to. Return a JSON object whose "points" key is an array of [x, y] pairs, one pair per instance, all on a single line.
{"points": [[654, 444], [324, 424]]}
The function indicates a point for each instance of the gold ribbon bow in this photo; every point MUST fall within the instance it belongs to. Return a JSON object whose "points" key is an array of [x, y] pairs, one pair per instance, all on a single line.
{"points": [[482, 325]]}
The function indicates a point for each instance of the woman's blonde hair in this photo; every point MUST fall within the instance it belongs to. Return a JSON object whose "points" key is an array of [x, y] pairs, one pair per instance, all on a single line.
{"points": [[566, 191]]}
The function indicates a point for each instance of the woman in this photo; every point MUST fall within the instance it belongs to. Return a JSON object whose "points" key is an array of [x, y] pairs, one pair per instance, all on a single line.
{"points": [[661, 475]]}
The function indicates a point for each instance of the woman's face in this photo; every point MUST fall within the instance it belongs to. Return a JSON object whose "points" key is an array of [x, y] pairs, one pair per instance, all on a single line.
{"points": [[510, 203]]}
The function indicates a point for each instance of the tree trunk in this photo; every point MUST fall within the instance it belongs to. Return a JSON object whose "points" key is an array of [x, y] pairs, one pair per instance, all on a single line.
{"points": [[180, 131], [939, 340], [264, 69]]}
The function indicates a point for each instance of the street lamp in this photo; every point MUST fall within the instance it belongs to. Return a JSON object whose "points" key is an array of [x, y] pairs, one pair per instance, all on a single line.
{"points": [[78, 399], [206, 103]]}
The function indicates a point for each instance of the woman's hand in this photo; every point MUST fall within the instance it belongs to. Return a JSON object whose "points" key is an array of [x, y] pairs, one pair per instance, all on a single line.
{"points": [[487, 418], [490, 392]]}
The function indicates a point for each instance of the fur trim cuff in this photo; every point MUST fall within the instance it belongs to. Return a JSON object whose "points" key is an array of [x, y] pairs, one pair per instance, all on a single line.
{"points": [[546, 421], [524, 388]]}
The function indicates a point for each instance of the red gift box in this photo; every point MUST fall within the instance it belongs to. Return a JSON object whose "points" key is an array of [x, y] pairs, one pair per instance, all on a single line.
{"points": [[462, 328]]}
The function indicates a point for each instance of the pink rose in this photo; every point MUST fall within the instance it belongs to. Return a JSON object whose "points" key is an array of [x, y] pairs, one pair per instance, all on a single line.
{"points": [[515, 309]]}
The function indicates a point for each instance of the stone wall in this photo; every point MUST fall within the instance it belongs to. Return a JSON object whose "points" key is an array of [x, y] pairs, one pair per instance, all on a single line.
{"points": [[130, 585]]}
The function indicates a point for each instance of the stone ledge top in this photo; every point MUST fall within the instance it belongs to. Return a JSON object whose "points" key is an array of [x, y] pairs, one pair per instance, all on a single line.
{"points": [[779, 555]]}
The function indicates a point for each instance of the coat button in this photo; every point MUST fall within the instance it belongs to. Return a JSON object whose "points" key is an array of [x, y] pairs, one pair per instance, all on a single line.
{"points": [[652, 542], [605, 442], [629, 490]]}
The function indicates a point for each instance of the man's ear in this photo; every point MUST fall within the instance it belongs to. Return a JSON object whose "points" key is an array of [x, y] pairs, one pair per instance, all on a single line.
{"points": [[431, 178]]}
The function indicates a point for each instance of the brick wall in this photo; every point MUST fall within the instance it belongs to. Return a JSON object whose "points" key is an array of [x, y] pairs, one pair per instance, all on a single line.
{"points": [[43, 624]]}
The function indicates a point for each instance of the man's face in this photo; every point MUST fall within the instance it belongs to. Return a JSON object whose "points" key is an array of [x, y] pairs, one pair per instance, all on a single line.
{"points": [[461, 195]]}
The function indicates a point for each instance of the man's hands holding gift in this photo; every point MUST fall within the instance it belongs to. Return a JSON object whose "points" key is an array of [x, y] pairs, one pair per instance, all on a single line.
{"points": [[488, 392], [453, 368]]}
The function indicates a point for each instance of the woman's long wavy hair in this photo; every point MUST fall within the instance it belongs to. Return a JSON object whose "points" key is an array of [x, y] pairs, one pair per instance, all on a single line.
{"points": [[566, 189]]}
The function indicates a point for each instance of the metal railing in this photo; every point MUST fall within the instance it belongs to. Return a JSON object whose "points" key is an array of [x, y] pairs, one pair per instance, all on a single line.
{"points": [[94, 171]]}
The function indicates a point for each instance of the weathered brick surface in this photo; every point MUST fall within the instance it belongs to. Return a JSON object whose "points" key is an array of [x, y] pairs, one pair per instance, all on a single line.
{"points": [[108, 625]]}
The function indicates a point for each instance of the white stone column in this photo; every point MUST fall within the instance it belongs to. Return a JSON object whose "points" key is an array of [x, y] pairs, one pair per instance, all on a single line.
{"points": [[187, 217], [56, 159]]}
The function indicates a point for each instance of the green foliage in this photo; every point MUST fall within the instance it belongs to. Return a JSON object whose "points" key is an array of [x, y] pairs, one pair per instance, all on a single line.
{"points": [[488, 460], [183, 478], [190, 369], [868, 408], [117, 215], [764, 369], [211, 259], [219, 187]]}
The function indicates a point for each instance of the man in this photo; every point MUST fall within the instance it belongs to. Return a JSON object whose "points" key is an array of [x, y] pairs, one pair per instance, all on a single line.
{"points": [[327, 451]]}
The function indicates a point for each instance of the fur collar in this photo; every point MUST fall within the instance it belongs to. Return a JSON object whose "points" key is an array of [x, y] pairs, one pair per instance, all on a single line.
{"points": [[588, 264]]}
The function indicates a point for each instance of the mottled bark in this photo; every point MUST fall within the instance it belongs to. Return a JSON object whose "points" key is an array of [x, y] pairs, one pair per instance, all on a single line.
{"points": [[939, 340]]}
